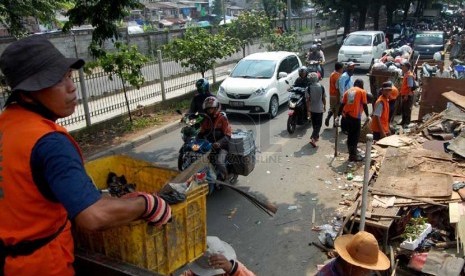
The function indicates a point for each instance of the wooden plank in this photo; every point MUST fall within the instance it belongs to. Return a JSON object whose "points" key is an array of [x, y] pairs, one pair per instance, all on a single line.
{"points": [[399, 174], [391, 192], [456, 98]]}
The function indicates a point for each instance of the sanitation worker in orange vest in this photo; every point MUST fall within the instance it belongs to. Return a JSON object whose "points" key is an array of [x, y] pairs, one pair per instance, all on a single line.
{"points": [[380, 116], [43, 184], [334, 97], [406, 92], [353, 102]]}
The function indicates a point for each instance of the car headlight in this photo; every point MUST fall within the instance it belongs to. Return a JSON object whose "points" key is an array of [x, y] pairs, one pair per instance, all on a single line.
{"points": [[366, 53], [259, 92], [341, 52], [221, 91]]}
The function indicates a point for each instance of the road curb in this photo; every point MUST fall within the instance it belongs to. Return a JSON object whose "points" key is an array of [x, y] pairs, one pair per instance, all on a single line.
{"points": [[126, 146]]}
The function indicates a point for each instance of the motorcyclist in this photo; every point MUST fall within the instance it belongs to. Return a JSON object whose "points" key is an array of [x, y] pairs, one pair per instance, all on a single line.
{"points": [[203, 92], [319, 45], [217, 130], [303, 81], [314, 55], [317, 28]]}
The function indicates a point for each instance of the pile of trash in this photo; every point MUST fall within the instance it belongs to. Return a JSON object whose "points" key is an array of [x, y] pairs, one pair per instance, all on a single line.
{"points": [[392, 59]]}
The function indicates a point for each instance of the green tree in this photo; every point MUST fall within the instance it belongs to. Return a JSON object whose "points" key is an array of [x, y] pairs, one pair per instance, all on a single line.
{"points": [[13, 13], [126, 62], [288, 41], [247, 27], [102, 15], [199, 49], [217, 8]]}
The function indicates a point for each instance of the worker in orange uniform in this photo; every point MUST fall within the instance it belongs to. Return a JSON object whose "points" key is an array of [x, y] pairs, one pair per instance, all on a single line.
{"points": [[380, 115], [334, 97], [353, 101], [392, 100], [406, 92], [43, 183]]}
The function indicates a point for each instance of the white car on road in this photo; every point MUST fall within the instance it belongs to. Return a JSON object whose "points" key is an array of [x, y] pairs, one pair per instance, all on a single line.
{"points": [[258, 83]]}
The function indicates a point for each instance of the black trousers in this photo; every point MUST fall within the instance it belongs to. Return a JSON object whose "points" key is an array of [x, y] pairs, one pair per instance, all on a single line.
{"points": [[353, 126], [317, 121], [407, 110], [392, 106]]}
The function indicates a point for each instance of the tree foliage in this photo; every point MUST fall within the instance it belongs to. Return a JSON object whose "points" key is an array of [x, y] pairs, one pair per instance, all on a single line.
{"points": [[247, 27], [102, 15], [13, 13], [199, 49], [126, 62], [217, 8], [287, 41]]}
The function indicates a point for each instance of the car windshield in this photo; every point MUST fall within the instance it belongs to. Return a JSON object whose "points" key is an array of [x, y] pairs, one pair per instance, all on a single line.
{"points": [[428, 39], [358, 40], [254, 69]]}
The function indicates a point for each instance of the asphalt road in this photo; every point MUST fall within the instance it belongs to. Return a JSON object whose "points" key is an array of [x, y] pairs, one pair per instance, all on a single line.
{"points": [[297, 178]]}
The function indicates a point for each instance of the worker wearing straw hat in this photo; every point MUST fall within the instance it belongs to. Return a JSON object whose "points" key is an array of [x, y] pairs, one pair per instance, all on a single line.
{"points": [[359, 254]]}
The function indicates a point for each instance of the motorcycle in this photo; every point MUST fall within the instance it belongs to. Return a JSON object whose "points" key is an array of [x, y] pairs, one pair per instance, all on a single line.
{"points": [[314, 66], [194, 148], [297, 108]]}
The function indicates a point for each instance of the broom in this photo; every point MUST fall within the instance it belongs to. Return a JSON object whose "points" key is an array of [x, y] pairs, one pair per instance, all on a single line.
{"points": [[266, 207]]}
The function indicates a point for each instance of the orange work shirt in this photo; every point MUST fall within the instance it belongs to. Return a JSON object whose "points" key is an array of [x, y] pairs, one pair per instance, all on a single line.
{"points": [[354, 99], [333, 91]]}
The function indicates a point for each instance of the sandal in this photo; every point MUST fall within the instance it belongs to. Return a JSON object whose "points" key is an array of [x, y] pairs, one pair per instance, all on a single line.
{"points": [[312, 142]]}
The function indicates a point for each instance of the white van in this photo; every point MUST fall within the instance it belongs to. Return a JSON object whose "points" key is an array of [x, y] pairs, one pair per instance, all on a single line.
{"points": [[362, 48]]}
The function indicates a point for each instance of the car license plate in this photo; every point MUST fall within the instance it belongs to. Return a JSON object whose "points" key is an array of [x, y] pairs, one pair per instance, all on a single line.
{"points": [[236, 103]]}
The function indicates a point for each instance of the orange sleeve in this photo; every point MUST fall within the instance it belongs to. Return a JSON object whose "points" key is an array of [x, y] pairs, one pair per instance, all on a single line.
{"points": [[242, 270]]}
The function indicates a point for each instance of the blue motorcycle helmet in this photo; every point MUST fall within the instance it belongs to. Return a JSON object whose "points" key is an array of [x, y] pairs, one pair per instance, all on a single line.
{"points": [[203, 86]]}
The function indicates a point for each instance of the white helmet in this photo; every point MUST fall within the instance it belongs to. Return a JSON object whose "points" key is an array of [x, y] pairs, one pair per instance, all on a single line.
{"points": [[437, 56]]}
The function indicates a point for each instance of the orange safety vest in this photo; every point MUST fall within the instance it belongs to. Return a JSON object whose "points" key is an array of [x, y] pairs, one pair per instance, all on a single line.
{"points": [[405, 89], [25, 214], [333, 91], [384, 119]]}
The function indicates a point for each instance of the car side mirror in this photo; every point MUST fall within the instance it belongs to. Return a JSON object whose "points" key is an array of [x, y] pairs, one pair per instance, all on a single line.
{"points": [[282, 75]]}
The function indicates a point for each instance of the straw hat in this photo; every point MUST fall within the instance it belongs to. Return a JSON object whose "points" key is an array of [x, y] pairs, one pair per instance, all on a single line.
{"points": [[361, 250], [214, 246]]}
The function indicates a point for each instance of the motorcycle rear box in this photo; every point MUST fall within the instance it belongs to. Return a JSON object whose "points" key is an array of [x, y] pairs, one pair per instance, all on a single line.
{"points": [[158, 249], [243, 165], [242, 142]]}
